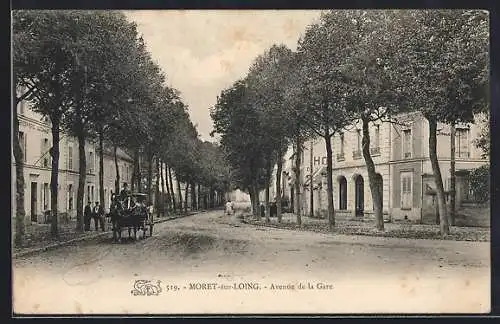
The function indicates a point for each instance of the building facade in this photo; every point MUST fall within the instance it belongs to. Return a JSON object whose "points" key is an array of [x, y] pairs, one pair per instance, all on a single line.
{"points": [[36, 140], [400, 152]]}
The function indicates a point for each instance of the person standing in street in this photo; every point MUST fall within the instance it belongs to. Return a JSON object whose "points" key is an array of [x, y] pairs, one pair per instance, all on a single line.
{"points": [[98, 216], [87, 215], [229, 207]]}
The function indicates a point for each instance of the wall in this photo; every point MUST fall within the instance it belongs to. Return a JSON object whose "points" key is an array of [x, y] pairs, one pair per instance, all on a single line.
{"points": [[35, 129]]}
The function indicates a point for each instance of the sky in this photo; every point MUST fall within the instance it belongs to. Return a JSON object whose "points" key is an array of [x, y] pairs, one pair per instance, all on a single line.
{"points": [[203, 52]]}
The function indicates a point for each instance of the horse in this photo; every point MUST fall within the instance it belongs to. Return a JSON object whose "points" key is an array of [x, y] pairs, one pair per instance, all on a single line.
{"points": [[121, 218]]}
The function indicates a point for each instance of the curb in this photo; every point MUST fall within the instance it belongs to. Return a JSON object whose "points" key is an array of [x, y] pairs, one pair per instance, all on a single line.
{"points": [[86, 237]]}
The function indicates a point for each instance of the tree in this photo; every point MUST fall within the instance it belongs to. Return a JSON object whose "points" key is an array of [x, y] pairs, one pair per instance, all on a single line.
{"points": [[45, 69], [449, 75], [266, 78], [479, 180], [22, 46], [237, 120], [323, 51], [299, 131], [483, 141], [375, 84]]}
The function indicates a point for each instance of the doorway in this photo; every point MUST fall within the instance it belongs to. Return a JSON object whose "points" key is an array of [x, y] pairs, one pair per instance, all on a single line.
{"points": [[342, 193], [34, 201], [359, 195]]}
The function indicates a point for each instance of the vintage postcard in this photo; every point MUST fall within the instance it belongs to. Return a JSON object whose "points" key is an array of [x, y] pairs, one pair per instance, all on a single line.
{"points": [[250, 162]]}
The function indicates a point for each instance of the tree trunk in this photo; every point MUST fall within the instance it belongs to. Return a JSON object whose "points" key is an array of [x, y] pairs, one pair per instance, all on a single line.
{"points": [[298, 155], [329, 180], [186, 191], [134, 173], [373, 178], [453, 193], [117, 179], [443, 217], [211, 197], [54, 176], [205, 198], [82, 168], [179, 192], [19, 159], [139, 173], [266, 196], [278, 184], [252, 202], [150, 178], [193, 196], [101, 170], [199, 197], [157, 192], [172, 191], [164, 203], [311, 184], [168, 191]]}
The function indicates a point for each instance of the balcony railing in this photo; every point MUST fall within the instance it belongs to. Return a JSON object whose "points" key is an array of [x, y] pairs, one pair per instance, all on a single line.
{"points": [[340, 157], [356, 154], [375, 151]]}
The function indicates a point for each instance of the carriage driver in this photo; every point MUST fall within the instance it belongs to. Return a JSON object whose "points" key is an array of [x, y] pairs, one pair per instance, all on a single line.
{"points": [[125, 192]]}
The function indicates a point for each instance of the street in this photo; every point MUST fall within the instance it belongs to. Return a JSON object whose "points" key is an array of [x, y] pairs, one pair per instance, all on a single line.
{"points": [[262, 267]]}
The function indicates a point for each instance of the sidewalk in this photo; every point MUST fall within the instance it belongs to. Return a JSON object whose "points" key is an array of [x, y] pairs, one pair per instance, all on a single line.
{"points": [[366, 227], [39, 239]]}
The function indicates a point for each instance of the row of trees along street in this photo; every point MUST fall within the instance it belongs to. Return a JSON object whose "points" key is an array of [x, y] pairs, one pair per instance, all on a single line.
{"points": [[89, 72], [354, 65]]}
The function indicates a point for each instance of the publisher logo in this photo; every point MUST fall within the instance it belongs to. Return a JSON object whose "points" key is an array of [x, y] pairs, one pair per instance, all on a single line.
{"points": [[146, 288]]}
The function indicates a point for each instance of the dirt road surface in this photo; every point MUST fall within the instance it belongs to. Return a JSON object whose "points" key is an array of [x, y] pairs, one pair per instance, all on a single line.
{"points": [[254, 270]]}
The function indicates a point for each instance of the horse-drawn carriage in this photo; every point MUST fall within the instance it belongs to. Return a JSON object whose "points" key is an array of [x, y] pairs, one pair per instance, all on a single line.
{"points": [[130, 212]]}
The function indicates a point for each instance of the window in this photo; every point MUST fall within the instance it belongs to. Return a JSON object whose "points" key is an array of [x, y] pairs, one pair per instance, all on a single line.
{"points": [[342, 193], [407, 143], [46, 196], [356, 154], [70, 197], [462, 143], [91, 162], [23, 142], [376, 138], [406, 190], [70, 157], [447, 184], [359, 139], [44, 152], [341, 143]]}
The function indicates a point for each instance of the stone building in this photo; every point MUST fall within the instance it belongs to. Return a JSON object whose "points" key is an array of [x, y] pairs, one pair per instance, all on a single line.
{"points": [[36, 140], [401, 156]]}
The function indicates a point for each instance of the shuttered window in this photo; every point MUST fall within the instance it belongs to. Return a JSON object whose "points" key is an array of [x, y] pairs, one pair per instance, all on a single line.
{"points": [[23, 142], [406, 190], [70, 157], [462, 143], [407, 143]]}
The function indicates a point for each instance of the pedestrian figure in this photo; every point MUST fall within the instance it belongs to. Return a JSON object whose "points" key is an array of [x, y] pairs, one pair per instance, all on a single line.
{"points": [[87, 215], [98, 216], [125, 192], [229, 207]]}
